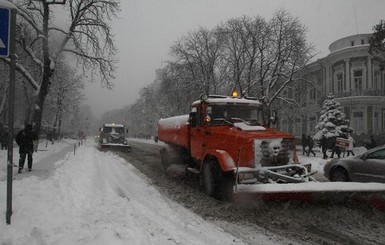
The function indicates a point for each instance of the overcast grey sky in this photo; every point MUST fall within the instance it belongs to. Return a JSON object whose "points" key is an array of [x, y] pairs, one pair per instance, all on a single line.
{"points": [[147, 28]]}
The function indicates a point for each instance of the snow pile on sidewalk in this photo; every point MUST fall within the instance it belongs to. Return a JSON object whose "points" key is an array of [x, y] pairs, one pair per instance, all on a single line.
{"points": [[99, 198]]}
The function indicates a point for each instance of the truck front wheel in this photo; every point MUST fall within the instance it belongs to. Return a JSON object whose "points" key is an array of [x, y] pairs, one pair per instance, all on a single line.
{"points": [[216, 183]]}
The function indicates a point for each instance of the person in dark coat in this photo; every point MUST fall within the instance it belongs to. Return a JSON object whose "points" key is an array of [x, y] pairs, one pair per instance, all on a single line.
{"points": [[310, 144], [335, 149], [324, 147], [24, 139]]}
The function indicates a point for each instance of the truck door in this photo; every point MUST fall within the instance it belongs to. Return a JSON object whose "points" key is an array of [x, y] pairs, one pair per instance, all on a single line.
{"points": [[197, 135]]}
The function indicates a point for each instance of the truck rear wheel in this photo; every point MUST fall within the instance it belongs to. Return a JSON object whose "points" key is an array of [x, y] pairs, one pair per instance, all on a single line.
{"points": [[170, 155], [216, 183]]}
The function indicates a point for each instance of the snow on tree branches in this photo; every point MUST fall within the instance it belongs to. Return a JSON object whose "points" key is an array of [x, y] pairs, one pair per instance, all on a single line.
{"points": [[332, 122]]}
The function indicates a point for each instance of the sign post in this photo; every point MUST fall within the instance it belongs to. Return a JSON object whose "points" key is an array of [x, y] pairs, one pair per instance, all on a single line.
{"points": [[7, 50], [5, 16]]}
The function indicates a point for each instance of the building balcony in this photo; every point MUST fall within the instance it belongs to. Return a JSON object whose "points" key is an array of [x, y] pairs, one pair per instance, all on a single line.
{"points": [[359, 93]]}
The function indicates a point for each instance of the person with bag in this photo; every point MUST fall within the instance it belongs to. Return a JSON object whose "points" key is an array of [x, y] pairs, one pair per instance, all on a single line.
{"points": [[351, 145], [24, 140]]}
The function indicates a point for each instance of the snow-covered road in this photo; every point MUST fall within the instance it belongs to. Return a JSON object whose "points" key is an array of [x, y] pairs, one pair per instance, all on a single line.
{"points": [[98, 198]]}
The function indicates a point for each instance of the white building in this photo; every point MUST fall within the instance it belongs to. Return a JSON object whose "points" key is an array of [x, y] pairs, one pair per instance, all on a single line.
{"points": [[357, 82]]}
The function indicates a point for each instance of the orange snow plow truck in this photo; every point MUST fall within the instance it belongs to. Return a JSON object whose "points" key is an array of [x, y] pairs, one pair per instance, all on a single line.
{"points": [[229, 143]]}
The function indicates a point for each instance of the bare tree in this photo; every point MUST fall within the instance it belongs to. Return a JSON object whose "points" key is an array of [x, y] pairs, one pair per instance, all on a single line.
{"points": [[196, 55], [65, 94], [287, 55], [87, 37]]}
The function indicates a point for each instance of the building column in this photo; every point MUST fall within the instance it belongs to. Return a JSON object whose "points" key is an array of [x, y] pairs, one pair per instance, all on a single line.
{"points": [[370, 73], [369, 120], [327, 79], [347, 74]]}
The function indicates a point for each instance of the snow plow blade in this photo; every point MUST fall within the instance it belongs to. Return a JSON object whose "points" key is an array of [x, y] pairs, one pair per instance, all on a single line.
{"points": [[116, 146], [372, 194]]}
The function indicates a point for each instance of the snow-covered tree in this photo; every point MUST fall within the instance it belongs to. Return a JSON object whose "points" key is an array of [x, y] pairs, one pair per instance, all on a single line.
{"points": [[332, 122], [86, 36]]}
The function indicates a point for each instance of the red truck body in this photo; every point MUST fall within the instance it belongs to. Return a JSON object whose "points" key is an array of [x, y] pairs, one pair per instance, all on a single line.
{"points": [[232, 131]]}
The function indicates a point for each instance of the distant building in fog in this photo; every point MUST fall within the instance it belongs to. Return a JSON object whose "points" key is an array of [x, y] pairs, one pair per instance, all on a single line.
{"points": [[355, 79]]}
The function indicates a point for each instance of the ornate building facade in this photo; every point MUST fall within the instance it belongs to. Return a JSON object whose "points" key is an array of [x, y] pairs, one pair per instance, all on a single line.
{"points": [[357, 82]]}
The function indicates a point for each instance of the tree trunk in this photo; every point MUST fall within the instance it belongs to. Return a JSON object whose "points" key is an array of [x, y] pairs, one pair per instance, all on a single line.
{"points": [[47, 73]]}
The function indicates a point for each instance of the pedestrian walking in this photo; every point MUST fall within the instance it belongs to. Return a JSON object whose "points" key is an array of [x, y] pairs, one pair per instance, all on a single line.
{"points": [[335, 149], [24, 140], [324, 147], [310, 145], [351, 145]]}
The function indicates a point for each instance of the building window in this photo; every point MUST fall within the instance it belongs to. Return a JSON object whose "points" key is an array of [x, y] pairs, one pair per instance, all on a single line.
{"points": [[383, 120], [352, 43], [362, 41], [358, 80], [313, 94], [383, 82], [377, 81], [358, 121], [376, 124], [339, 82]]}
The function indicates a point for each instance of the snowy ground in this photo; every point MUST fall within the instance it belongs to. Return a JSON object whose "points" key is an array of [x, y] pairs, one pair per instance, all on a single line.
{"points": [[94, 197]]}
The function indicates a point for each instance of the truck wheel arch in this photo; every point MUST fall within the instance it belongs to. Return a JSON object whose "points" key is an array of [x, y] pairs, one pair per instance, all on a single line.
{"points": [[224, 159]]}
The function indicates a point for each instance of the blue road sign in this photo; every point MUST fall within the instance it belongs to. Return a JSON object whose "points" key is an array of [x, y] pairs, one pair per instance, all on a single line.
{"points": [[4, 32]]}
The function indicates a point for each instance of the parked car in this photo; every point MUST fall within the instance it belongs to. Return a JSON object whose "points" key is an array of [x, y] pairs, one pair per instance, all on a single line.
{"points": [[367, 167]]}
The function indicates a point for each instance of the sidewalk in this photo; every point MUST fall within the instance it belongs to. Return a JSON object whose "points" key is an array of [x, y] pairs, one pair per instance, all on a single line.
{"points": [[45, 159]]}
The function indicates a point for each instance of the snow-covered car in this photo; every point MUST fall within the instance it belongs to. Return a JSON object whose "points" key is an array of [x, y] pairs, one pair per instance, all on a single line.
{"points": [[367, 167]]}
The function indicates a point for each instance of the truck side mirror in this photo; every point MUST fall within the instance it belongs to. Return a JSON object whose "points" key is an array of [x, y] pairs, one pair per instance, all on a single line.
{"points": [[193, 119], [273, 117]]}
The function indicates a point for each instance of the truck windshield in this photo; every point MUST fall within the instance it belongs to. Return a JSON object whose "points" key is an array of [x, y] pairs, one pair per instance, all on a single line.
{"points": [[118, 130], [230, 113]]}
